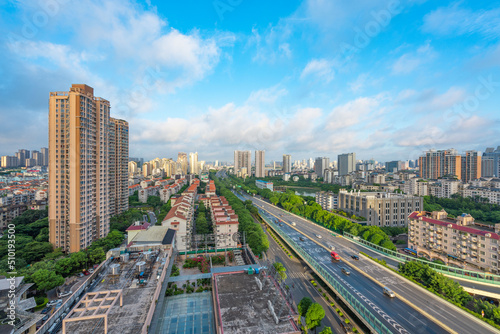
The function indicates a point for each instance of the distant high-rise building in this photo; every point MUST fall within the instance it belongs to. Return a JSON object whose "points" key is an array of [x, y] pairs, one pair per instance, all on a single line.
{"points": [[79, 170], [22, 155], [139, 161], [435, 164], [147, 169], [391, 166], [9, 161], [346, 163], [242, 159], [260, 157], [118, 165], [182, 160], [30, 162], [311, 163], [38, 157], [287, 163], [45, 156], [471, 166], [132, 167], [320, 165], [193, 163], [490, 164]]}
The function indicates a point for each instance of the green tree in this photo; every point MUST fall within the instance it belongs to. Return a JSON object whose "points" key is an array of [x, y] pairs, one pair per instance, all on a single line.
{"points": [[65, 267], [35, 251], [274, 200], [281, 270], [96, 255], [326, 330], [46, 279], [304, 305], [314, 315], [154, 201]]}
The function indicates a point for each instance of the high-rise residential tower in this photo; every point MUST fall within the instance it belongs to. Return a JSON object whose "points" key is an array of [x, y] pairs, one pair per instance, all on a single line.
{"points": [[242, 159], [193, 163], [490, 164], [320, 165], [118, 153], [471, 166], [287, 163], [182, 160], [346, 163], [260, 157], [79, 168]]}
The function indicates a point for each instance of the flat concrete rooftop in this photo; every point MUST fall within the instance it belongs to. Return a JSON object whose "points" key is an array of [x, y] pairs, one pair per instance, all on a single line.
{"points": [[242, 307]]}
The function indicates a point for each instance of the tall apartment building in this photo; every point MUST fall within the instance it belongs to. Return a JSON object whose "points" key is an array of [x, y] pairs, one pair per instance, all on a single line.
{"points": [[193, 163], [182, 160], [147, 169], [437, 236], [490, 164], [346, 163], [45, 156], [9, 161], [287, 163], [320, 164], [118, 165], [380, 209], [471, 166], [260, 158], [242, 159], [435, 164], [79, 168]]}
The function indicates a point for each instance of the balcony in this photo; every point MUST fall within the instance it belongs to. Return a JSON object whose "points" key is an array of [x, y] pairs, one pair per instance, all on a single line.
{"points": [[439, 236], [464, 243], [473, 247], [474, 254], [440, 230], [463, 256], [439, 242], [463, 237], [474, 239]]}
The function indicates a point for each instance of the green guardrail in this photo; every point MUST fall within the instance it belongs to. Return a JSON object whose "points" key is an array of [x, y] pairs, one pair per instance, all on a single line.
{"points": [[202, 251], [452, 271], [368, 316]]}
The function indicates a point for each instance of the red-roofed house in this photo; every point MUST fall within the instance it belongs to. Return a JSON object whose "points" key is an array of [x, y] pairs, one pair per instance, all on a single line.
{"points": [[461, 239], [225, 221], [134, 229], [180, 218]]}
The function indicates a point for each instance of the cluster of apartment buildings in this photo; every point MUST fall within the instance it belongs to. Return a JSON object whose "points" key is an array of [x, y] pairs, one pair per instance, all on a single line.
{"points": [[18, 197], [88, 156], [26, 158], [165, 167], [164, 188], [181, 217]]}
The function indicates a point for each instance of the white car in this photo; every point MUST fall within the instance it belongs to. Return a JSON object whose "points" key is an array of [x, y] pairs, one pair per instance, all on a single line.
{"points": [[54, 302], [332, 247], [318, 236], [294, 224]]}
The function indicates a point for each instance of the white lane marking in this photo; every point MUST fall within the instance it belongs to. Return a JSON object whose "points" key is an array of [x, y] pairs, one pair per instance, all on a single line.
{"points": [[377, 309]]}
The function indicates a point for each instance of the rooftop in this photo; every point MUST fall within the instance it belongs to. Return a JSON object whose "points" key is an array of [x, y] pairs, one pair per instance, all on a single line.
{"points": [[153, 234], [242, 306]]}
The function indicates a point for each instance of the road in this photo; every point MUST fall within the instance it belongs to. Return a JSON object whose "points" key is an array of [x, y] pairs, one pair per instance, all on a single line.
{"points": [[394, 313], [298, 281], [152, 218]]}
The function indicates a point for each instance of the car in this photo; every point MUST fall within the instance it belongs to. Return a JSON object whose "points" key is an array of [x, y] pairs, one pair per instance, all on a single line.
{"points": [[345, 271], [389, 292], [54, 302], [294, 224], [58, 305], [46, 310], [46, 317], [332, 247], [80, 275], [86, 273], [301, 239], [318, 236], [64, 294], [91, 271], [355, 257]]}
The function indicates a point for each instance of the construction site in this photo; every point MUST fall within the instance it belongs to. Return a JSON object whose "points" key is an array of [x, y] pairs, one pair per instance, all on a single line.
{"points": [[131, 279]]}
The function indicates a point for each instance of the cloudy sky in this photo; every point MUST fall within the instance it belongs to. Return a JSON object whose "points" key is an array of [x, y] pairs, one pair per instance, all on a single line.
{"points": [[385, 79]]}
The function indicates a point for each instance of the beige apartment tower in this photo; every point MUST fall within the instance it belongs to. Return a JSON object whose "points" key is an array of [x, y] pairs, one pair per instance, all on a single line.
{"points": [[118, 157], [260, 170], [80, 181]]}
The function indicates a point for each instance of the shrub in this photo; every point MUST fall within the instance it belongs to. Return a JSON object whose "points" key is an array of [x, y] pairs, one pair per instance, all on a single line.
{"points": [[341, 314], [347, 321]]}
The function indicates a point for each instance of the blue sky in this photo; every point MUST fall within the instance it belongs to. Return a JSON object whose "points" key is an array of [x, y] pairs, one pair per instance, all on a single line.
{"points": [[385, 79]]}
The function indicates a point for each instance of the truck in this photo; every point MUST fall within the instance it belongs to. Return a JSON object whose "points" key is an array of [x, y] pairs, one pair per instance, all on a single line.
{"points": [[335, 256]]}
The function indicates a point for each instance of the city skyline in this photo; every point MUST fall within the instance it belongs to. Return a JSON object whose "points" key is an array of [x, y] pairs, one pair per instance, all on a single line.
{"points": [[307, 86]]}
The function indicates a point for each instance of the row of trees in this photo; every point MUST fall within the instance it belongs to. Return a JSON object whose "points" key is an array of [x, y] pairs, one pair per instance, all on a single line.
{"points": [[203, 220], [302, 182], [165, 208], [255, 236], [309, 209], [484, 212]]}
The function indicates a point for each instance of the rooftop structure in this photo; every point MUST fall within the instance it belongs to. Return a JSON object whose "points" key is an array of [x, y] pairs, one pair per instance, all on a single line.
{"points": [[242, 307]]}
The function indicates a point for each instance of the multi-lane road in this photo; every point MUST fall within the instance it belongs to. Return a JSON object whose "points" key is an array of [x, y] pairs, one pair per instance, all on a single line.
{"points": [[395, 314]]}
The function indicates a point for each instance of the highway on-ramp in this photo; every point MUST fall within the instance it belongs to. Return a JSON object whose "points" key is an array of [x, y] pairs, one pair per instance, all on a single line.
{"points": [[397, 315]]}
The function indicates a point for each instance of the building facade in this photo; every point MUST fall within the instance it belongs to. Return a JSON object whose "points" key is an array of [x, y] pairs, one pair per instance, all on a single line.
{"points": [[437, 236], [260, 158], [79, 171], [379, 208], [327, 199], [118, 152], [264, 185], [287, 163], [490, 165], [320, 164], [346, 163], [242, 159]]}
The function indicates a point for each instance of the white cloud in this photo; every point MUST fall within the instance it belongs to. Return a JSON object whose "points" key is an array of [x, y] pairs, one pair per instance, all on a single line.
{"points": [[272, 44], [410, 61], [320, 68], [453, 20], [355, 112]]}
